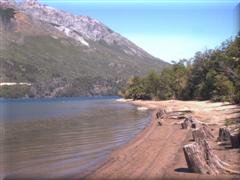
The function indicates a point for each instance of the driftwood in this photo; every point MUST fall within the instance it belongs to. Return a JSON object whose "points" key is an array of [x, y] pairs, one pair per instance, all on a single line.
{"points": [[235, 140], [160, 115], [163, 114], [176, 115], [224, 134], [202, 133], [201, 159]]}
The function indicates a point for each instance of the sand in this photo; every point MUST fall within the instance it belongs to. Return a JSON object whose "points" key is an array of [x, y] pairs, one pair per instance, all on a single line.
{"points": [[157, 151]]}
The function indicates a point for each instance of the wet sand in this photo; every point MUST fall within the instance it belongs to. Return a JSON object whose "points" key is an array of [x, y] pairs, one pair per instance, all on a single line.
{"points": [[157, 151]]}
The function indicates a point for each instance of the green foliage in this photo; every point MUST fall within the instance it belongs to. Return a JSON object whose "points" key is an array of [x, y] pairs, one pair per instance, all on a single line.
{"points": [[212, 75], [169, 84], [174, 81], [6, 14], [151, 84], [215, 73], [136, 89], [15, 91], [40, 60]]}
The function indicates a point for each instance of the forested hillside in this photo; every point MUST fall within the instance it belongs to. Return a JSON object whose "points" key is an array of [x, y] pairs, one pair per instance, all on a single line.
{"points": [[60, 54], [210, 75]]}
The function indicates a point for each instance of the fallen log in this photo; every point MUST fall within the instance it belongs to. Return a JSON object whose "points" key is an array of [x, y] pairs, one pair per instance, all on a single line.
{"points": [[177, 116]]}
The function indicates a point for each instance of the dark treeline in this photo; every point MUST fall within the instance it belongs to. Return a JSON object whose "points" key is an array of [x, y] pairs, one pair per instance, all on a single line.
{"points": [[210, 75]]}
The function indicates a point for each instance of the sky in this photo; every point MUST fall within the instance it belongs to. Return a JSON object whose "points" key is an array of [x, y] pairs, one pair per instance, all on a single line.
{"points": [[168, 29]]}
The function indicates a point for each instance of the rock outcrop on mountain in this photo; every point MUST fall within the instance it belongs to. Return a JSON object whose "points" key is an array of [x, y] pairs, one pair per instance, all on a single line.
{"points": [[62, 54], [81, 28]]}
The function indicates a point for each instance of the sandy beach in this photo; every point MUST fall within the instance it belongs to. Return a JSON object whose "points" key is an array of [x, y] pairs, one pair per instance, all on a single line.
{"points": [[157, 152]]}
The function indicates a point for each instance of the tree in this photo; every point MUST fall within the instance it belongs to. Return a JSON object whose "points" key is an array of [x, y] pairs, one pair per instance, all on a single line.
{"points": [[209, 75]]}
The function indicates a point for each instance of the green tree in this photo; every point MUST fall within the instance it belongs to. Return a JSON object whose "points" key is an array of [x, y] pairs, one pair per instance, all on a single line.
{"points": [[136, 89], [209, 75]]}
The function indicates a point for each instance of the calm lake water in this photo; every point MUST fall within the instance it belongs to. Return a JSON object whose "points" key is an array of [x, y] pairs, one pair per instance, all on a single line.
{"points": [[65, 137]]}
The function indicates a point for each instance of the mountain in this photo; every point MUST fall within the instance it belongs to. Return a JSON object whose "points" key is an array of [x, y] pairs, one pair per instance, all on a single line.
{"points": [[61, 54]]}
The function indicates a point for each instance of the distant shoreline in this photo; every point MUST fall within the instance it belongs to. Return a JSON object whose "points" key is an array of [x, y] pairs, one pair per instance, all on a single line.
{"points": [[59, 98]]}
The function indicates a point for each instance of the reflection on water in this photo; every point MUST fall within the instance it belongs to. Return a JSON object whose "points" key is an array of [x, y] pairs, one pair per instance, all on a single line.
{"points": [[63, 138]]}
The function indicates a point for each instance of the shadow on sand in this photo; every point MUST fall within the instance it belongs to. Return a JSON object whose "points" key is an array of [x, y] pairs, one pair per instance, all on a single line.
{"points": [[183, 170]]}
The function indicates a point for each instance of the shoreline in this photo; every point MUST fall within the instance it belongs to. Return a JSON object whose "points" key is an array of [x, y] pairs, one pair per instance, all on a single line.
{"points": [[156, 152], [118, 151], [129, 144]]}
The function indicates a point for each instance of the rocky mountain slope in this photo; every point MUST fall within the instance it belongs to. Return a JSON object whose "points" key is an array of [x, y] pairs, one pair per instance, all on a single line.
{"points": [[81, 28], [61, 54]]}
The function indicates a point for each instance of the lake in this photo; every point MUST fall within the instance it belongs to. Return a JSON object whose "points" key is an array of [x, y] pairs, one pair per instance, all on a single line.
{"points": [[63, 137]]}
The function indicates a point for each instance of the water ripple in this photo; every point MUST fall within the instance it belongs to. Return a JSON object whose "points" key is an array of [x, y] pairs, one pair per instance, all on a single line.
{"points": [[68, 144]]}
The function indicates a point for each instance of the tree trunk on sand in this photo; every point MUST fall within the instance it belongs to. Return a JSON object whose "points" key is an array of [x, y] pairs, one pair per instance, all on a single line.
{"points": [[201, 133], [159, 123], [160, 114], [235, 140], [201, 159], [224, 134], [188, 123]]}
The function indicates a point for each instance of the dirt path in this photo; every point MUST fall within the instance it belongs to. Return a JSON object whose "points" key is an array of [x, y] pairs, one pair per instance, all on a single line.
{"points": [[157, 151]]}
